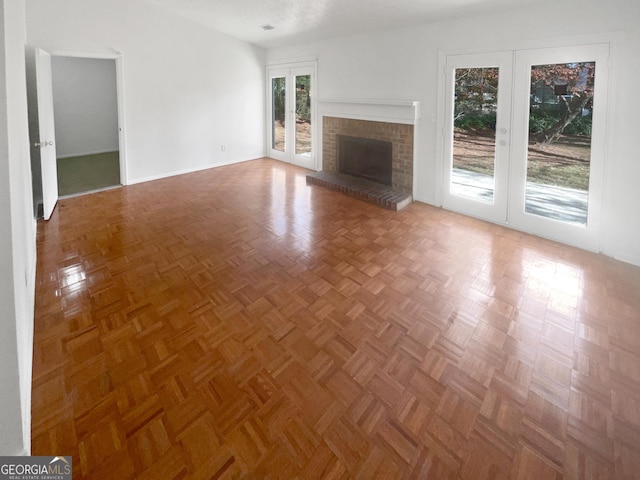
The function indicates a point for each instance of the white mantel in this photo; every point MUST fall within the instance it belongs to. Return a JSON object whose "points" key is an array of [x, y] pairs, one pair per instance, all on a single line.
{"points": [[393, 111], [399, 112]]}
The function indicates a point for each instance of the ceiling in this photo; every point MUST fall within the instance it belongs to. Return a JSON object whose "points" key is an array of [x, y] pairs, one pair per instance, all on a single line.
{"points": [[298, 21]]}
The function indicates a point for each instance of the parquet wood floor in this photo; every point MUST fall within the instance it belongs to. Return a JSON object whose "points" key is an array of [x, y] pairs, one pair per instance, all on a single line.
{"points": [[237, 323]]}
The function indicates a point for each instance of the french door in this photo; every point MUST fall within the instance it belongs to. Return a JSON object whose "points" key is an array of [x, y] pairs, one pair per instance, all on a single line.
{"points": [[477, 154], [291, 115], [524, 139]]}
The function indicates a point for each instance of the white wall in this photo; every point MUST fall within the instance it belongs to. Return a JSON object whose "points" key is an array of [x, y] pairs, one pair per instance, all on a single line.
{"points": [[403, 64], [85, 105], [187, 89], [17, 237]]}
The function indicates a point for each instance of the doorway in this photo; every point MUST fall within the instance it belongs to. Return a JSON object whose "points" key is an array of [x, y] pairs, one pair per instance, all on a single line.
{"points": [[291, 114], [524, 139], [42, 133], [86, 124]]}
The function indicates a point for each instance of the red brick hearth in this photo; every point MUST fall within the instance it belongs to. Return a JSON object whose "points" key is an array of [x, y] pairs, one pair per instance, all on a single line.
{"points": [[399, 133]]}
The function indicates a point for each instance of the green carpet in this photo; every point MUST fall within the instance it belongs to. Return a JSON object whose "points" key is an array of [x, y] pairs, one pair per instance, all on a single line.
{"points": [[88, 172]]}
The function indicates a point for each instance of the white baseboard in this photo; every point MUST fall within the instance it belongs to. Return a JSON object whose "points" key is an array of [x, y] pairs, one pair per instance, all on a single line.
{"points": [[98, 152], [428, 201], [189, 170], [631, 259]]}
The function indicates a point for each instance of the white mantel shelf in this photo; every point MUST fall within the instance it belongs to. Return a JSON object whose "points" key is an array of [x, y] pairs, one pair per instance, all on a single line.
{"points": [[394, 111]]}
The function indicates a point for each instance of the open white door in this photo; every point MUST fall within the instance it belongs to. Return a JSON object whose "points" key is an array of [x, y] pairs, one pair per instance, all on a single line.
{"points": [[47, 132]]}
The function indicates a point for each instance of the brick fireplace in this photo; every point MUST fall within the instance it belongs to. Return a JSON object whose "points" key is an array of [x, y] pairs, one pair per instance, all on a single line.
{"points": [[400, 135], [375, 120]]}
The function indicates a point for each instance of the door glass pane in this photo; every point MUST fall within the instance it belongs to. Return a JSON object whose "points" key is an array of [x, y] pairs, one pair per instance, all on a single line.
{"points": [[474, 133], [559, 145], [279, 102], [303, 115]]}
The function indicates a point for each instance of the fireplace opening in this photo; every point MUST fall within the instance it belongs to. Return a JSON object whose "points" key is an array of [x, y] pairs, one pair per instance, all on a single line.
{"points": [[366, 158]]}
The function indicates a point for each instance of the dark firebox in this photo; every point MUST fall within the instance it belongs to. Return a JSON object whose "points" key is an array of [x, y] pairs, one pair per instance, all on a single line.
{"points": [[364, 157]]}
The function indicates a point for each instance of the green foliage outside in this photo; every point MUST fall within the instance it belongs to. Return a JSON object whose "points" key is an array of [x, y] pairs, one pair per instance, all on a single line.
{"points": [[278, 86], [475, 98], [303, 98], [551, 114], [476, 121], [559, 131], [540, 121]]}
